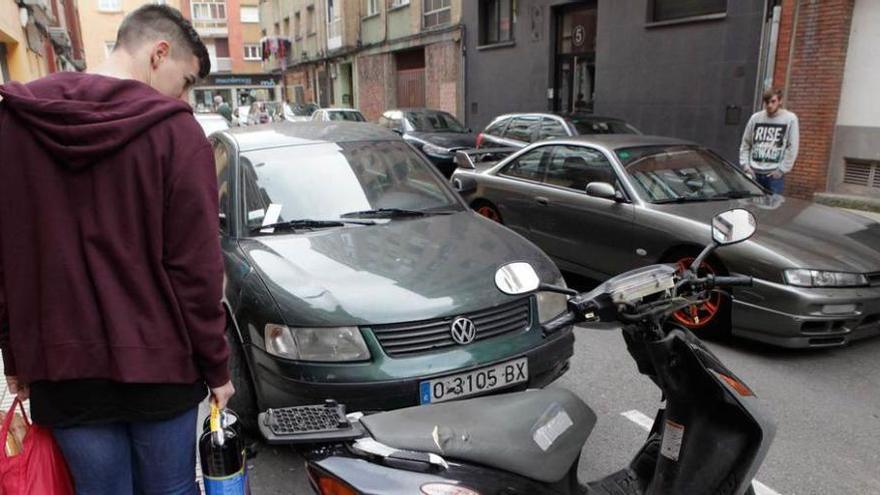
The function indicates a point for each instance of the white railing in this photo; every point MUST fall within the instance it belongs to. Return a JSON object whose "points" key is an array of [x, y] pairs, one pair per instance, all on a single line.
{"points": [[334, 34], [224, 64]]}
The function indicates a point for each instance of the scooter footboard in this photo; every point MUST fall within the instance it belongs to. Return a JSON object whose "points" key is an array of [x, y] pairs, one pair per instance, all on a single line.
{"points": [[325, 423]]}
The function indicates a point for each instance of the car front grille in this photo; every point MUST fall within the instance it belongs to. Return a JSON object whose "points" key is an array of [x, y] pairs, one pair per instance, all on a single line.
{"points": [[874, 279], [405, 339]]}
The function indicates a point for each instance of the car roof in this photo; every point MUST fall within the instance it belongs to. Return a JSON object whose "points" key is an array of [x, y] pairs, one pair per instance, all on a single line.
{"points": [[578, 116], [618, 141], [281, 134], [415, 109]]}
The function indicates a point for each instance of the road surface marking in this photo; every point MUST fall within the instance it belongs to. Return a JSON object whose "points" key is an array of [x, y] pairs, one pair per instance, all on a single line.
{"points": [[646, 423]]}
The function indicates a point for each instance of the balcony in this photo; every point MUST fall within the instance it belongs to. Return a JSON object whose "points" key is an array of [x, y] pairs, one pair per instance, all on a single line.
{"points": [[224, 64], [211, 28], [334, 34]]}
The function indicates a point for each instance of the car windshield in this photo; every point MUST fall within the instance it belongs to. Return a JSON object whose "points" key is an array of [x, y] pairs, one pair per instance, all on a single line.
{"points": [[670, 174], [434, 122], [349, 115], [598, 126], [325, 181]]}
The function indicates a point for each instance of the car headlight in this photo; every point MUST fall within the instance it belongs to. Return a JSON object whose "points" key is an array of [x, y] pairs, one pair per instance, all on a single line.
{"points": [[819, 278], [434, 150], [328, 344], [551, 304]]}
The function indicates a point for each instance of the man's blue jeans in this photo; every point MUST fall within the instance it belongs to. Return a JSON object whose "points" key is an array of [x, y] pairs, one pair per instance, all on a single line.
{"points": [[774, 185], [133, 458]]}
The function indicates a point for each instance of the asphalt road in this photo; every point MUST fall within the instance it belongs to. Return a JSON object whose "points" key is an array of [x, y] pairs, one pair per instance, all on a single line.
{"points": [[826, 404]]}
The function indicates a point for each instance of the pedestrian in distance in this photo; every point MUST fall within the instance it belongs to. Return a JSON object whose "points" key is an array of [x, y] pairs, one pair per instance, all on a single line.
{"points": [[770, 143], [223, 108], [111, 273]]}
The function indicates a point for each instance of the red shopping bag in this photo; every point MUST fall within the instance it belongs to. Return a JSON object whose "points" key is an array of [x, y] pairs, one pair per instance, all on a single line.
{"points": [[39, 469]]}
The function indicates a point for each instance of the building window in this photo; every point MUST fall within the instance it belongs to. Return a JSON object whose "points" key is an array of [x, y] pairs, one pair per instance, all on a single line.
{"points": [[252, 52], [372, 7], [209, 10], [250, 14], [310, 19], [399, 3], [108, 47], [110, 5], [670, 10], [221, 45], [497, 18], [436, 13], [297, 25]]}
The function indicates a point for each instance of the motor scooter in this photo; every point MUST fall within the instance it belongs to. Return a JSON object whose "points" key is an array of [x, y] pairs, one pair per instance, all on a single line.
{"points": [[709, 437]]}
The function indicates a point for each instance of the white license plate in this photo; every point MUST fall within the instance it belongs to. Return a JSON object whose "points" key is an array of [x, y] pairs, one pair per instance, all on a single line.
{"points": [[474, 382]]}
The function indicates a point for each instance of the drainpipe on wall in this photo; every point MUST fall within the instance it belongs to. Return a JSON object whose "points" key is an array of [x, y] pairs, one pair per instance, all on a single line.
{"points": [[462, 76], [791, 46]]}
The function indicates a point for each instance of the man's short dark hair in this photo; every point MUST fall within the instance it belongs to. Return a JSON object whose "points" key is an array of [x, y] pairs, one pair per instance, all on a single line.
{"points": [[154, 22], [770, 93]]}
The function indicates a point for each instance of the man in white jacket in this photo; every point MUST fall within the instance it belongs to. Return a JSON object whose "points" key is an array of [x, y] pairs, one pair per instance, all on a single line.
{"points": [[770, 143]]}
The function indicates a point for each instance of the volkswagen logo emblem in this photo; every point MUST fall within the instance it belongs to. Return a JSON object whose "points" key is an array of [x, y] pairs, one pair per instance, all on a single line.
{"points": [[463, 331]]}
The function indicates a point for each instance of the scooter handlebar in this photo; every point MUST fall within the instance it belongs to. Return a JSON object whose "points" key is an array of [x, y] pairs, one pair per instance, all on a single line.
{"points": [[734, 281]]}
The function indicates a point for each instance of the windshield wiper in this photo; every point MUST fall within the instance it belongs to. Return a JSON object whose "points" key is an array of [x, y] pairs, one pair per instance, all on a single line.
{"points": [[384, 213], [307, 223], [690, 200], [738, 195]]}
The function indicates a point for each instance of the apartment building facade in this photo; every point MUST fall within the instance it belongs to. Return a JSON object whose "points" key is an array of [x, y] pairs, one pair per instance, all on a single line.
{"points": [[39, 37], [368, 54]]}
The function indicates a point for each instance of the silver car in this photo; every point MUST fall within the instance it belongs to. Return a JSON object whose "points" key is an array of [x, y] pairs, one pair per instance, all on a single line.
{"points": [[601, 205]]}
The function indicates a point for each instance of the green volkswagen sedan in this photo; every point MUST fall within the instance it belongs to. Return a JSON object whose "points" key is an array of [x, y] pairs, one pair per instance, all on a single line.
{"points": [[355, 272]]}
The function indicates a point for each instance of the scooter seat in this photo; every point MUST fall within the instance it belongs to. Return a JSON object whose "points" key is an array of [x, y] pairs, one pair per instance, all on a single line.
{"points": [[537, 433]]}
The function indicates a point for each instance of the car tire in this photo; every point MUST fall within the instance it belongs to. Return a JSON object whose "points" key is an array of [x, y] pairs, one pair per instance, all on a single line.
{"points": [[244, 402], [716, 314], [488, 210]]}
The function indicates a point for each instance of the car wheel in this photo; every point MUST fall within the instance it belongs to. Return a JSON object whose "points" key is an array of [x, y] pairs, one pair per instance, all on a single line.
{"points": [[711, 318], [244, 402], [488, 210]]}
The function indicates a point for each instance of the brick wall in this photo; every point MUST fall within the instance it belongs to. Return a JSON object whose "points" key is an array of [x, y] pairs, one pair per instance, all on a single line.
{"points": [[820, 33], [442, 62], [375, 85]]}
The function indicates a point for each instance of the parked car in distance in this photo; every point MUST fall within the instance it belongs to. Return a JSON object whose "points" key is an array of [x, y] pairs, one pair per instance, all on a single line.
{"points": [[603, 204], [240, 115], [352, 268], [435, 133], [211, 122], [338, 114], [521, 129], [299, 112]]}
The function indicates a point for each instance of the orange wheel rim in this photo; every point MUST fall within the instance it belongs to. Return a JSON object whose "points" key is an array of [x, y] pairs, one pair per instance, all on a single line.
{"points": [[698, 315], [489, 212]]}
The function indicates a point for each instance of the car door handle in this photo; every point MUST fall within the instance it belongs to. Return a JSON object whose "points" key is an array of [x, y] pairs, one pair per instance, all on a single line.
{"points": [[541, 200]]}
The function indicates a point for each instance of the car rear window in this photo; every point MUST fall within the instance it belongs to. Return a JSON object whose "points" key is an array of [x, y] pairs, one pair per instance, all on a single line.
{"points": [[598, 126], [497, 128], [523, 128], [348, 116]]}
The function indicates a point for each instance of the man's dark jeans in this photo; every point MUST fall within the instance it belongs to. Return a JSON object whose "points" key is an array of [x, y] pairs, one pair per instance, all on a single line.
{"points": [[133, 458], [774, 185]]}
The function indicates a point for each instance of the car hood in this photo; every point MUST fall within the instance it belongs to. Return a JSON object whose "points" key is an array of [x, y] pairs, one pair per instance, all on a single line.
{"points": [[397, 271], [805, 234], [450, 140]]}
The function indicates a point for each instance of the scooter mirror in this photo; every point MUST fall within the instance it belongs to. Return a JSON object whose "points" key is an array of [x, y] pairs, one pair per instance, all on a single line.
{"points": [[517, 278], [733, 226]]}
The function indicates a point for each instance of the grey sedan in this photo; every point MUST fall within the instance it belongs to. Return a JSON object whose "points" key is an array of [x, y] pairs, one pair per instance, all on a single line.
{"points": [[600, 205]]}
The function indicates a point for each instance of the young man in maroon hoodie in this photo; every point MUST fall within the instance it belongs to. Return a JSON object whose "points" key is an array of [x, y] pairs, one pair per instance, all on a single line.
{"points": [[110, 266]]}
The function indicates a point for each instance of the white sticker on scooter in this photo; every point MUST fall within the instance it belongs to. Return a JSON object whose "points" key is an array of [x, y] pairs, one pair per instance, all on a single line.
{"points": [[673, 434], [547, 434]]}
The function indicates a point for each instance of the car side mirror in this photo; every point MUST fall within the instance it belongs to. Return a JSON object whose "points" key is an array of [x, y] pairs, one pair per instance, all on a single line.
{"points": [[464, 160], [397, 130], [464, 184], [733, 226], [223, 222], [603, 190]]}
